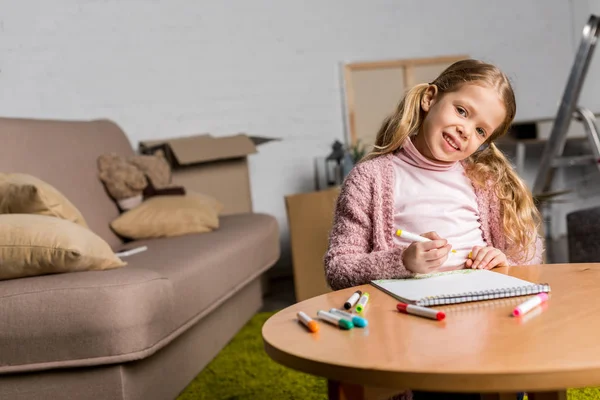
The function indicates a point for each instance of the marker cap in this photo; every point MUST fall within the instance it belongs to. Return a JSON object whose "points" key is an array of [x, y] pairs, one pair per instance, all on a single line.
{"points": [[313, 326], [543, 296], [345, 324], [359, 321], [360, 306], [526, 306]]}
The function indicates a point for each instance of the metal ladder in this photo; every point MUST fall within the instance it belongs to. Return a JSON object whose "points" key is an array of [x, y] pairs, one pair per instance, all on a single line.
{"points": [[552, 157]]}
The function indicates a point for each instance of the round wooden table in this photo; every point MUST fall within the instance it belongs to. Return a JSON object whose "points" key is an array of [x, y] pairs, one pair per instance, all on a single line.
{"points": [[479, 347]]}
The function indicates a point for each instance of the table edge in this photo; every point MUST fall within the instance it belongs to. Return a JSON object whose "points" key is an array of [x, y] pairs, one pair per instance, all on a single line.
{"points": [[459, 382]]}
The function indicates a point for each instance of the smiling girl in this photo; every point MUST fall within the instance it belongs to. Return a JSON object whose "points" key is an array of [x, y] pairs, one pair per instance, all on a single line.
{"points": [[435, 171]]}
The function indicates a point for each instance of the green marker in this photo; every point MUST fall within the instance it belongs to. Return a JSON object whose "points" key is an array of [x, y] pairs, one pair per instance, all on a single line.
{"points": [[335, 319], [362, 302], [359, 322]]}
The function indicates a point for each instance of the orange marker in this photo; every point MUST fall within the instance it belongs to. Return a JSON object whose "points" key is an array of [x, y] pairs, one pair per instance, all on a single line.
{"points": [[308, 322]]}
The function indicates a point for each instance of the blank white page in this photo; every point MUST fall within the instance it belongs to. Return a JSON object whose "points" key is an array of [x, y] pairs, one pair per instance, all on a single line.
{"points": [[449, 284]]}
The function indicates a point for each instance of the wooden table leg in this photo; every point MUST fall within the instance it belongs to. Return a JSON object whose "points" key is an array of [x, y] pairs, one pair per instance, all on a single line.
{"points": [[559, 395], [499, 396], [351, 391], [344, 391]]}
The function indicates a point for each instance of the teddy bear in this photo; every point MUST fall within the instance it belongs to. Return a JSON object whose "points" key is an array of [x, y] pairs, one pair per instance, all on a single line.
{"points": [[131, 180]]}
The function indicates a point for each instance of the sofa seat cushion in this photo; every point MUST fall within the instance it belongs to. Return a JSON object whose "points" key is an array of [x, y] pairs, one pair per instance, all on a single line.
{"points": [[105, 317], [205, 269], [82, 318]]}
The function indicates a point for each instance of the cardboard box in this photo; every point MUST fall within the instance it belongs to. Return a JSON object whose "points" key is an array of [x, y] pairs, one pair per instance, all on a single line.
{"points": [[216, 166], [310, 217]]}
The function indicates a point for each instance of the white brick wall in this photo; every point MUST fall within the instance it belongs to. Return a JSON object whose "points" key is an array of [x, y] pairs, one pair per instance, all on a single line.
{"points": [[164, 68]]}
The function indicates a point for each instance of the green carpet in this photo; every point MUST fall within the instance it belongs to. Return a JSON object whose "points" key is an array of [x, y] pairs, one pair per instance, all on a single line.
{"points": [[243, 371]]}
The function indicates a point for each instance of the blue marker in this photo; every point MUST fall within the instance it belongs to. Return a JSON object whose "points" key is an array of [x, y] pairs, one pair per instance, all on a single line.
{"points": [[356, 320]]}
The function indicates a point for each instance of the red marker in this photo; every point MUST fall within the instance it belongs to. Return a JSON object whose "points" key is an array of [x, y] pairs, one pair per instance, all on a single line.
{"points": [[421, 311]]}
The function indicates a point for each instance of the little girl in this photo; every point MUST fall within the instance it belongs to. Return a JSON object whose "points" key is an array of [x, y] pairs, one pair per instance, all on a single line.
{"points": [[435, 171]]}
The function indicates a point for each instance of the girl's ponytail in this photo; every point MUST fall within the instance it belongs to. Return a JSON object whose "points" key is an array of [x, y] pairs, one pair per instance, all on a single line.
{"points": [[397, 127], [520, 216]]}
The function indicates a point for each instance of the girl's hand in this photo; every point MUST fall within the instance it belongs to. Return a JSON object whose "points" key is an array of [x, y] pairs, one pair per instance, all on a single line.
{"points": [[423, 258], [486, 258]]}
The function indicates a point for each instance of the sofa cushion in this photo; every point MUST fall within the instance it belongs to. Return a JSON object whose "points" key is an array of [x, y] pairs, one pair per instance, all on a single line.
{"points": [[105, 317], [166, 216], [26, 194], [67, 160], [82, 318], [32, 244]]}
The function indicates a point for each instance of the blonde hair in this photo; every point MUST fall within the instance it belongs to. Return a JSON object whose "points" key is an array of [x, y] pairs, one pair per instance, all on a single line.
{"points": [[520, 216]]}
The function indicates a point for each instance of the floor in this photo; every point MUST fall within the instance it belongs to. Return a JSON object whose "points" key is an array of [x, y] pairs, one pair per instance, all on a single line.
{"points": [[280, 292]]}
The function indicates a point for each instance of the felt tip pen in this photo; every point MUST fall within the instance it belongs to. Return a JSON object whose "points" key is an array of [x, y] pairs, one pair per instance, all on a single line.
{"points": [[421, 311], [352, 300], [335, 319], [414, 237], [130, 252], [362, 302], [530, 304], [356, 320], [307, 321]]}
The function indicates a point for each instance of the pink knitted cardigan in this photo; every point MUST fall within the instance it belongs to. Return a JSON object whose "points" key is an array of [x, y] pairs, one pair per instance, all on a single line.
{"points": [[361, 246]]}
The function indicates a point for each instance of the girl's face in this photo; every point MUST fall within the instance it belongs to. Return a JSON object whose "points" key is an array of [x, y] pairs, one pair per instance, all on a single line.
{"points": [[457, 123]]}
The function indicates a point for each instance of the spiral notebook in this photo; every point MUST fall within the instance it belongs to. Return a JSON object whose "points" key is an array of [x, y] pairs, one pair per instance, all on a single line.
{"points": [[457, 287]]}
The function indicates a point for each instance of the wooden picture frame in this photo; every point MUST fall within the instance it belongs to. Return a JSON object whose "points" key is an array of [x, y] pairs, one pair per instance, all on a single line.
{"points": [[372, 90]]}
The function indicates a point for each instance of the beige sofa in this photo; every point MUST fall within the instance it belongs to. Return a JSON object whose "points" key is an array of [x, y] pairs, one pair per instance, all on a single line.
{"points": [[143, 331]]}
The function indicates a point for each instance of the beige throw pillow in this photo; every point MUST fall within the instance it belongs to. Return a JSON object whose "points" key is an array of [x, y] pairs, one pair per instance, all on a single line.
{"points": [[26, 194], [165, 216], [33, 244]]}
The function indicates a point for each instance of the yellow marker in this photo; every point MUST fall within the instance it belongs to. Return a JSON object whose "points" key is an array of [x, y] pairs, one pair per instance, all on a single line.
{"points": [[470, 254], [414, 237], [362, 302]]}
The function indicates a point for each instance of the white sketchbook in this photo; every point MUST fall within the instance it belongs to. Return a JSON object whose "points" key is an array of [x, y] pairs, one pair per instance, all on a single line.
{"points": [[458, 286]]}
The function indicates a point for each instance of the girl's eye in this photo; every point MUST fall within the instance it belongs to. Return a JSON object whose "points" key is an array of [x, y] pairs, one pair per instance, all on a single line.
{"points": [[481, 131], [461, 111]]}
